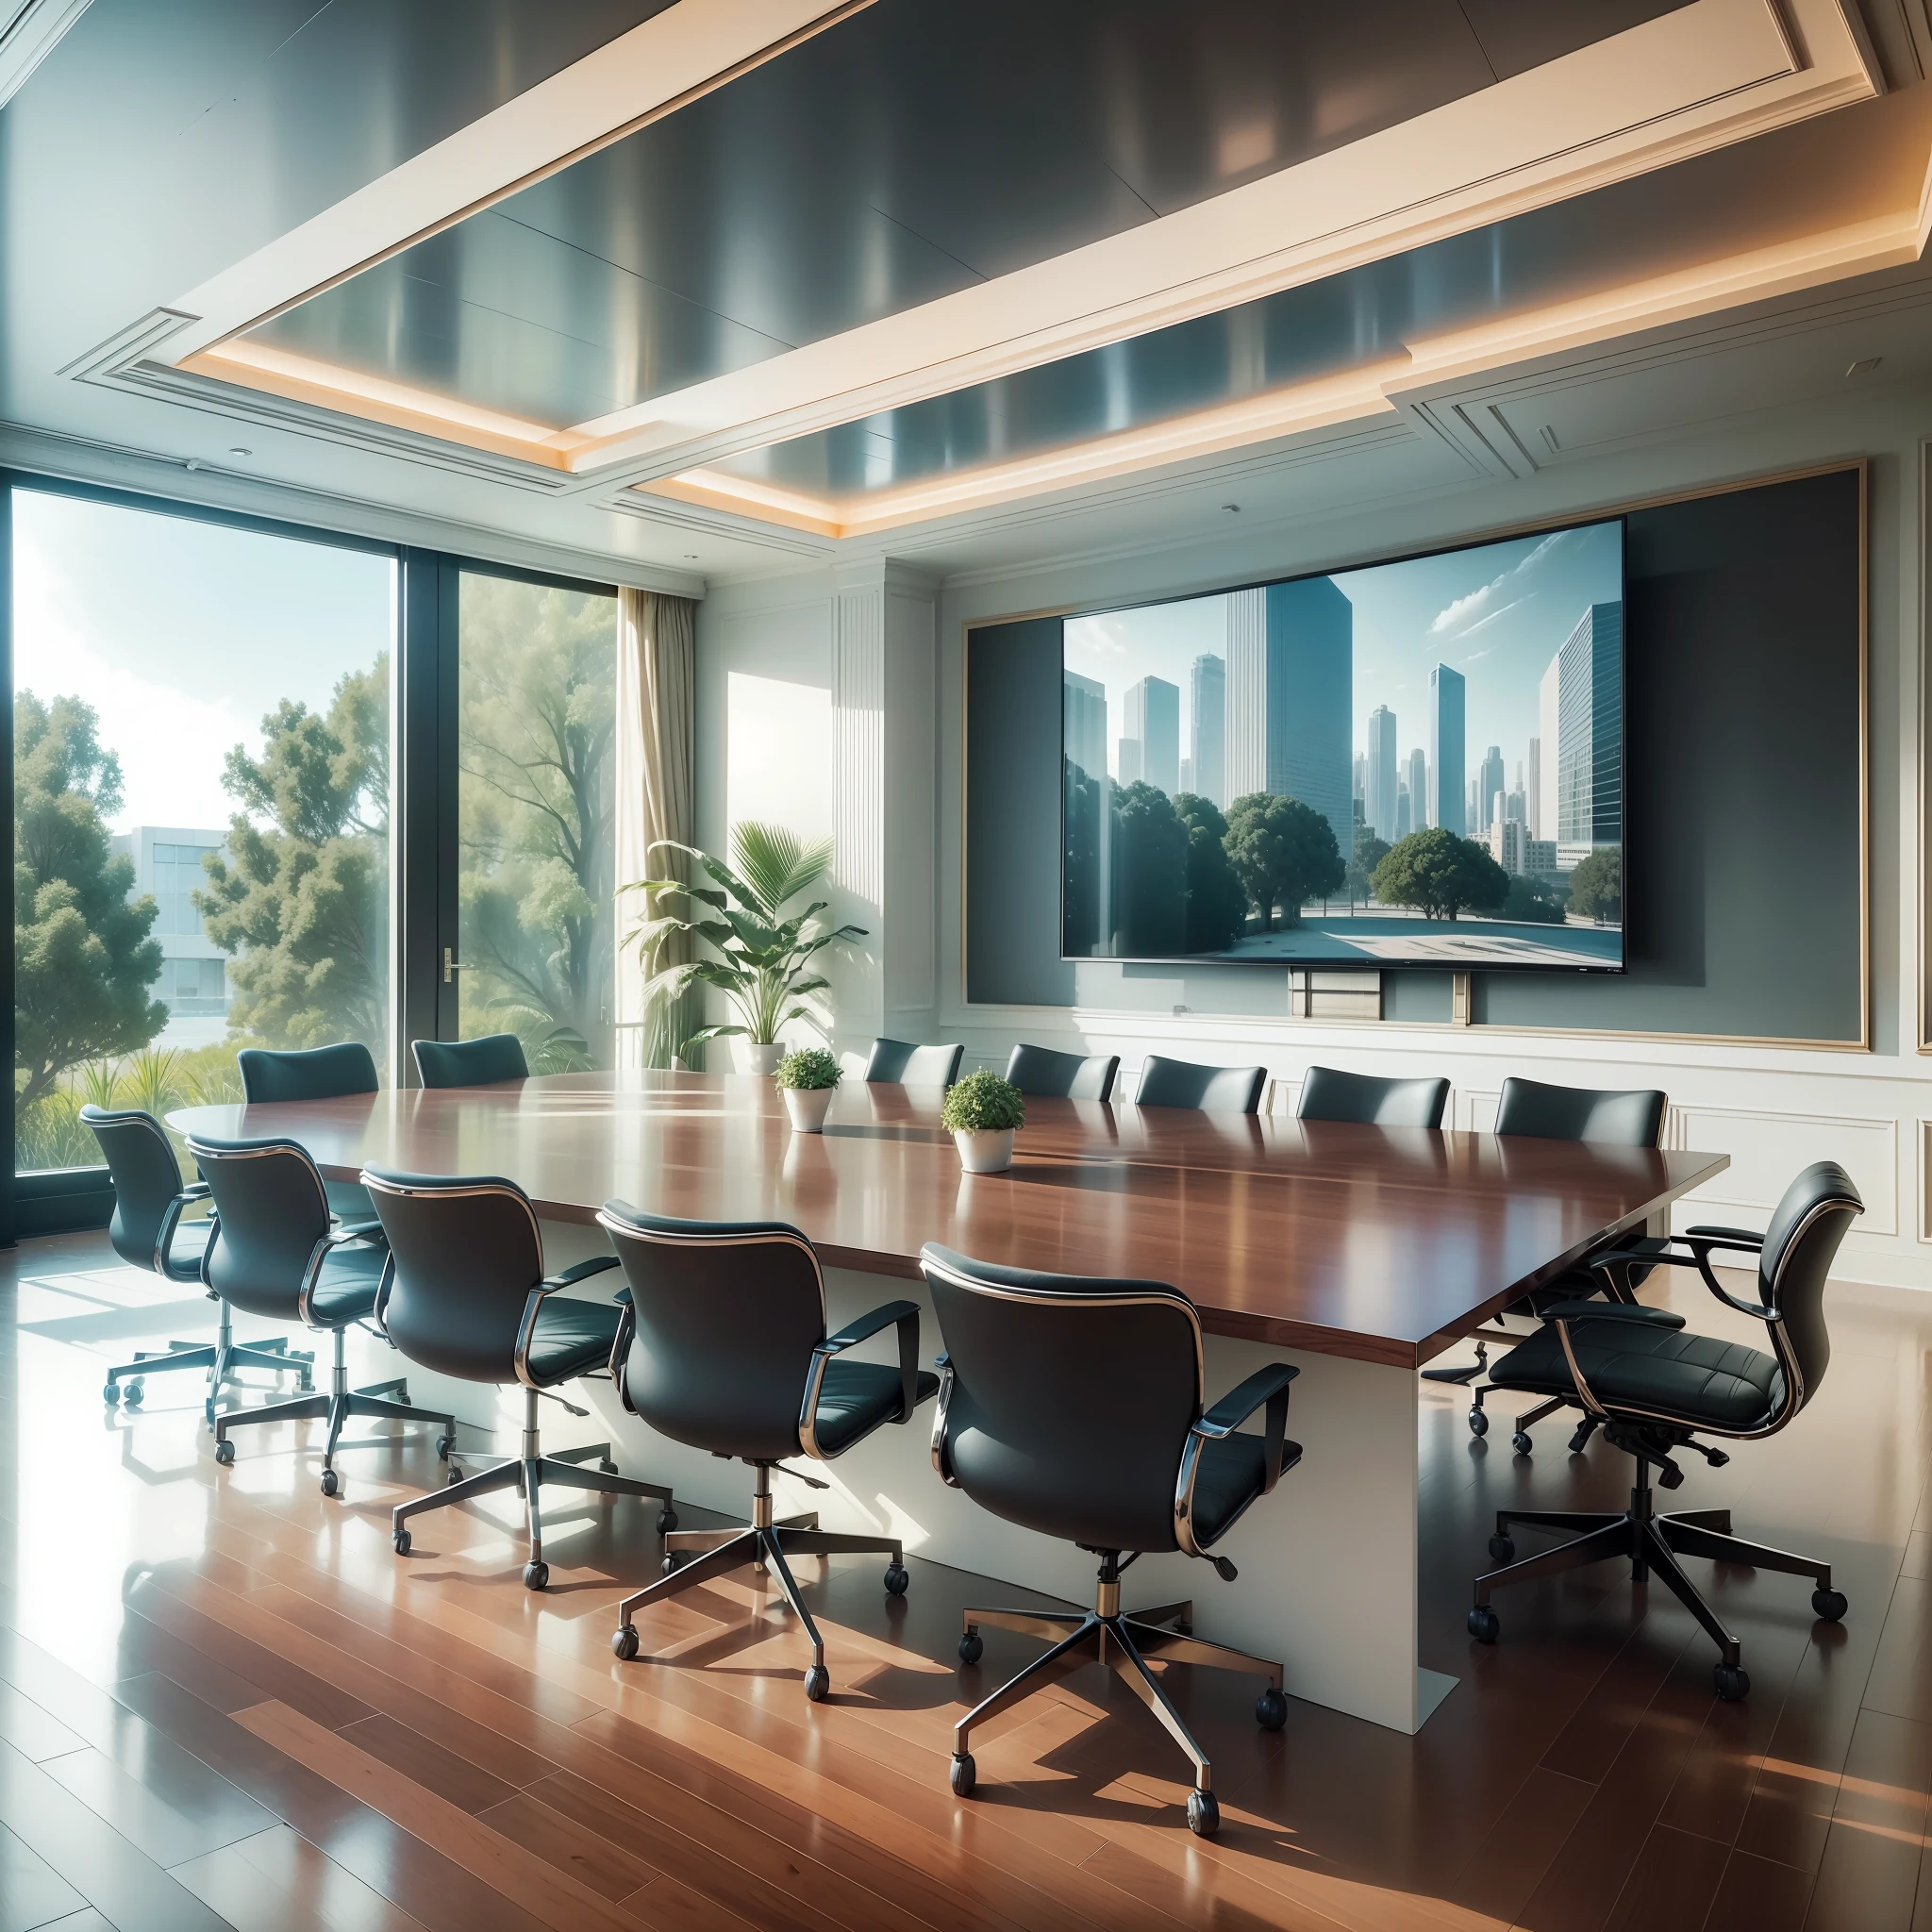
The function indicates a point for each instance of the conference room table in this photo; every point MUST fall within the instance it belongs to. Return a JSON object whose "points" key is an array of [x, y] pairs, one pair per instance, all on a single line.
{"points": [[1357, 1253]]}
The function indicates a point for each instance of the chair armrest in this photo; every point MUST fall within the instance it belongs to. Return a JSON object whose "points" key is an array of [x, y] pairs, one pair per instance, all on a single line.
{"points": [[904, 1315], [1700, 1260], [343, 1232], [1269, 1385], [1633, 1313], [171, 1220], [581, 1271], [941, 1463], [1724, 1237]]}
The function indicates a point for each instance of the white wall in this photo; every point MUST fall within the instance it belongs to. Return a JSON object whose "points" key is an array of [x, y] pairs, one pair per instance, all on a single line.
{"points": [[1772, 1109]]}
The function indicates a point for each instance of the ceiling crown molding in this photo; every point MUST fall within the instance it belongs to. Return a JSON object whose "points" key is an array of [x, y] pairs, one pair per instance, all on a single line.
{"points": [[29, 31]]}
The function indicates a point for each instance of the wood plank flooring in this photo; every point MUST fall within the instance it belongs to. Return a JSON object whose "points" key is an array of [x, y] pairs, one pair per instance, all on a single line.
{"points": [[225, 1701]]}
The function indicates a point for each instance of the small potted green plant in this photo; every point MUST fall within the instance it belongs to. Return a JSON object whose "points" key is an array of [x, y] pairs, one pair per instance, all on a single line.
{"points": [[809, 1078], [981, 1113]]}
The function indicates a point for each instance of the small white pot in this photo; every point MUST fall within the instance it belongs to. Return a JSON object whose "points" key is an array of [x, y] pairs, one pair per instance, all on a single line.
{"points": [[989, 1151], [807, 1107], [758, 1058]]}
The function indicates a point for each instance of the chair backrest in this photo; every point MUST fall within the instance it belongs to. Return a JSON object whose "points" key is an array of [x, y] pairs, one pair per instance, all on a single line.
{"points": [[467, 1254], [321, 1073], [1071, 1399], [1632, 1118], [273, 1210], [1329, 1094], [1062, 1075], [727, 1315], [470, 1062], [900, 1063], [146, 1177], [1215, 1089], [1800, 1244]]}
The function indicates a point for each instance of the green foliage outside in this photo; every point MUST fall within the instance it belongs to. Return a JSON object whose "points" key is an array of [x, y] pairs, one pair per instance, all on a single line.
{"points": [[1217, 910], [983, 1103], [1369, 852], [1533, 901], [301, 900], [51, 1133], [1440, 876], [1596, 887], [1284, 853], [764, 956], [810, 1068]]}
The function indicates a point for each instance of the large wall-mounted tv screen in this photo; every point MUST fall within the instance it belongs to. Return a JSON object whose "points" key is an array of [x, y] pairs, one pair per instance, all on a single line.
{"points": [[1415, 764]]}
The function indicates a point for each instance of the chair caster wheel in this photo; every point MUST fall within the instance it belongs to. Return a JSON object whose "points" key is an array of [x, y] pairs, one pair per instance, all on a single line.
{"points": [[971, 1647], [443, 1445], [672, 1560], [1733, 1683], [818, 1683], [624, 1642], [667, 1520], [965, 1773], [403, 1393], [401, 1542], [224, 1454], [1502, 1548], [1830, 1605], [332, 1483], [132, 1392], [1271, 1709], [1478, 1423], [898, 1578], [605, 1467], [1484, 1624], [1521, 1443], [1204, 1814], [111, 1393], [536, 1575], [306, 1386]]}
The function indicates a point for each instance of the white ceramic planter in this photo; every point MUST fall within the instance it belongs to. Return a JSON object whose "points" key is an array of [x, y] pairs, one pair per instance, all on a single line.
{"points": [[807, 1107], [758, 1059], [989, 1151]]}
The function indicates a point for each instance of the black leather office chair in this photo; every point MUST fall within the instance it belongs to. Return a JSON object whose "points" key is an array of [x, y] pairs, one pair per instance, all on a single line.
{"points": [[318, 1073], [725, 1348], [470, 1062], [1328, 1095], [1216, 1090], [468, 1297], [1075, 1408], [1654, 1388], [147, 1230], [899, 1063], [1632, 1117], [1062, 1075], [278, 1252]]}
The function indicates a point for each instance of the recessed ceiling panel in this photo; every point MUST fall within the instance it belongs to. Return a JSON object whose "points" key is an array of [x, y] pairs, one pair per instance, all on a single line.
{"points": [[904, 153]]}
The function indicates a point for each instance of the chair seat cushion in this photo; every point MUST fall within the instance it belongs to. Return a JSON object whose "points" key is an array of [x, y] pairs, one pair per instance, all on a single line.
{"points": [[1696, 1379], [1229, 1478], [349, 1200], [571, 1339], [856, 1397], [347, 1292]]}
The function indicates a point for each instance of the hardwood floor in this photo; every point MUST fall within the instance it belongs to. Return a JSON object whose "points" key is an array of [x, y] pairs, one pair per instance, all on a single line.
{"points": [[224, 1701]]}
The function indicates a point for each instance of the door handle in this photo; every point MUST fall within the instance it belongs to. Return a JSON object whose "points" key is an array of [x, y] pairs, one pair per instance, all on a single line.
{"points": [[450, 964]]}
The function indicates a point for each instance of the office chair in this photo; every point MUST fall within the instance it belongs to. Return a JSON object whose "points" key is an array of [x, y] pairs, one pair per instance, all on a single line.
{"points": [[278, 1252], [1062, 1075], [899, 1063], [1075, 1408], [1633, 1117], [468, 1297], [723, 1347], [1216, 1090], [319, 1073], [1328, 1095], [147, 1231], [470, 1062], [1655, 1388]]}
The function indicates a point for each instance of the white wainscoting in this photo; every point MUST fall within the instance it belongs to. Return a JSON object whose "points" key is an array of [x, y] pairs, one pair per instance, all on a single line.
{"points": [[1768, 1148]]}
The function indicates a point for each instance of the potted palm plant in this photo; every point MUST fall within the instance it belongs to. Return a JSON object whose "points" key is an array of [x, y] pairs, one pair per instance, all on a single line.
{"points": [[981, 1112], [762, 955], [808, 1078]]}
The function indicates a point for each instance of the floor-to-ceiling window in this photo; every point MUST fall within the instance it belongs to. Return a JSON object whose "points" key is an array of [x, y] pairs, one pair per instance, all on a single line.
{"points": [[201, 806], [537, 945]]}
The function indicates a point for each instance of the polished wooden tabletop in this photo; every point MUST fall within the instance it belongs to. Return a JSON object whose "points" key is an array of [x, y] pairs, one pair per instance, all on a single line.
{"points": [[1384, 1245]]}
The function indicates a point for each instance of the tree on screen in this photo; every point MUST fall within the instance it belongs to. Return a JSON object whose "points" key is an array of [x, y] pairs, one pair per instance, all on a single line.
{"points": [[1217, 901], [1596, 887], [1533, 901], [1080, 898], [82, 958], [302, 901], [1369, 852], [1284, 853], [1440, 876], [1150, 868]]}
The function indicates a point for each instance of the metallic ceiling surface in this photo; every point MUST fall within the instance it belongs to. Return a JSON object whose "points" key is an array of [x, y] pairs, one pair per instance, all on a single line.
{"points": [[1647, 226], [909, 152]]}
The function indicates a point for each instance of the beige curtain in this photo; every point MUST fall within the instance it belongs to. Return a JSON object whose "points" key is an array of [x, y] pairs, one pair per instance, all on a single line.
{"points": [[657, 798]]}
